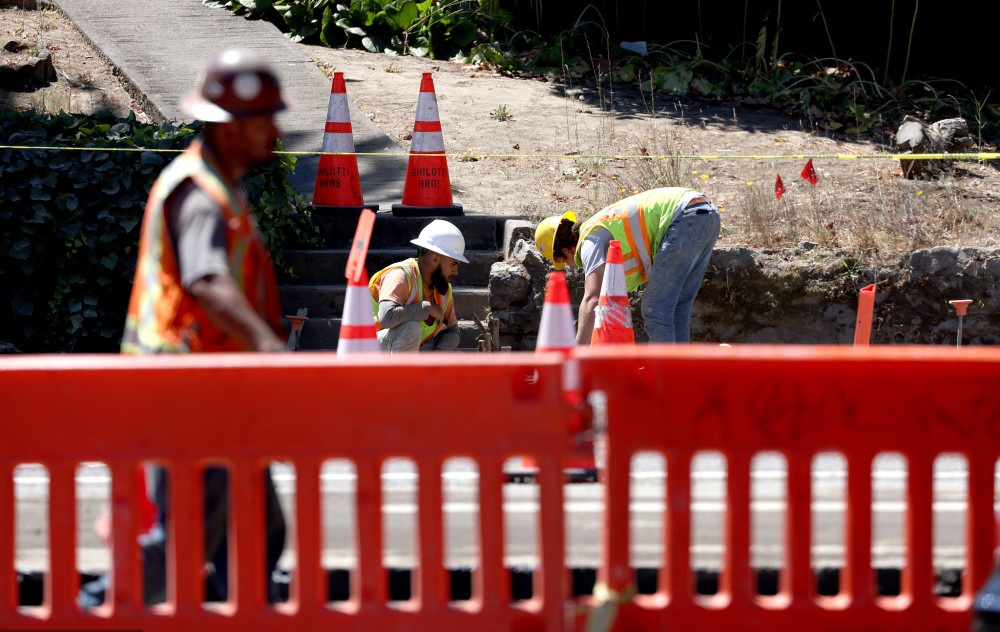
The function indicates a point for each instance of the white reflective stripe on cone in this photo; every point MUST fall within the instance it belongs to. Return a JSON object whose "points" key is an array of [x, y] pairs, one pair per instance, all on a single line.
{"points": [[427, 142]]}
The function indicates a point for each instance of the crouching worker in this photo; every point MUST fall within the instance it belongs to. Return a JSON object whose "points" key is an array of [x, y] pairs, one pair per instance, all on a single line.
{"points": [[667, 236], [412, 299]]}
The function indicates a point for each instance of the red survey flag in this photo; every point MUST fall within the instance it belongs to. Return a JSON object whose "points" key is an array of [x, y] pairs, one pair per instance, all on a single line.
{"points": [[779, 187], [809, 173]]}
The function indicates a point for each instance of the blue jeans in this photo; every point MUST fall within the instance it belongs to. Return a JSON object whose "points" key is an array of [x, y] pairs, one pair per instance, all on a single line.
{"points": [[679, 266]]}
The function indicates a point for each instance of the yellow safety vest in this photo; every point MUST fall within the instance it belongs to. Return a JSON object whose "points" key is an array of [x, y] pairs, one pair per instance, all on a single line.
{"points": [[639, 222], [415, 293]]}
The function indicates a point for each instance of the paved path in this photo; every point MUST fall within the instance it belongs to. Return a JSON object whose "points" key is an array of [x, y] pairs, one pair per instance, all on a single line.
{"points": [[159, 48]]}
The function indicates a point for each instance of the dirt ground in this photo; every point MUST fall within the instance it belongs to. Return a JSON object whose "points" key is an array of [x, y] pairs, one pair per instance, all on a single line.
{"points": [[536, 147], [84, 83]]}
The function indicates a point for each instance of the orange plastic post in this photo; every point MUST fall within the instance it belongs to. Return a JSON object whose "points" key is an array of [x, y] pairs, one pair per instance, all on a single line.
{"points": [[863, 328]]}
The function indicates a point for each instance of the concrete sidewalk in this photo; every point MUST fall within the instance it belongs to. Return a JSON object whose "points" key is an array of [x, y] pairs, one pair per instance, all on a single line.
{"points": [[159, 48]]}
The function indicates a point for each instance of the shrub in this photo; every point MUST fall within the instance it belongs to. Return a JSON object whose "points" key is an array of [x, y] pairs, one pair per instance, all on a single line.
{"points": [[71, 204]]}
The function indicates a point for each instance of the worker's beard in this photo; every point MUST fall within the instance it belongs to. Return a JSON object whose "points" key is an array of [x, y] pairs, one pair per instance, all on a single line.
{"points": [[439, 282]]}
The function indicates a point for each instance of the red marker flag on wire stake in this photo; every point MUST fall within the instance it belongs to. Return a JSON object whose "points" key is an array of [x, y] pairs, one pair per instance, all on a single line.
{"points": [[809, 173], [359, 247], [779, 187]]}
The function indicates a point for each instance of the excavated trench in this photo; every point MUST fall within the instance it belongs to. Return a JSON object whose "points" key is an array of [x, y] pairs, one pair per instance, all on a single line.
{"points": [[801, 296]]}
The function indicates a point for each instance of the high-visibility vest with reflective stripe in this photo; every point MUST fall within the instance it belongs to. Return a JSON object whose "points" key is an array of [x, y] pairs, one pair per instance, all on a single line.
{"points": [[639, 222], [415, 293], [162, 316]]}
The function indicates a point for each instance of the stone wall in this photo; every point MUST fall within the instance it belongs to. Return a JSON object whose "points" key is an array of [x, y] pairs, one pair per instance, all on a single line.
{"points": [[807, 296]]}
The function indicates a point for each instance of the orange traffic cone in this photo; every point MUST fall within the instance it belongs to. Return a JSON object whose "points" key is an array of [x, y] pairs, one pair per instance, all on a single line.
{"points": [[613, 317], [338, 185], [427, 190], [557, 333], [357, 327]]}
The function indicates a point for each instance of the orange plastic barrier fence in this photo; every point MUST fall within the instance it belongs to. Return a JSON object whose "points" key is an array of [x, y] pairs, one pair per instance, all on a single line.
{"points": [[797, 401], [247, 410]]}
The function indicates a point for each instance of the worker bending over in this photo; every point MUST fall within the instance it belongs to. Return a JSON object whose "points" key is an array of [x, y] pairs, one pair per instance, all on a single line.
{"points": [[667, 236], [412, 299]]}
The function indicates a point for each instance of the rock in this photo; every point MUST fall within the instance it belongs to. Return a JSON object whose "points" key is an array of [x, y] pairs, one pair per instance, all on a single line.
{"points": [[935, 260], [947, 136], [515, 230], [524, 252], [734, 258], [509, 285], [35, 72]]}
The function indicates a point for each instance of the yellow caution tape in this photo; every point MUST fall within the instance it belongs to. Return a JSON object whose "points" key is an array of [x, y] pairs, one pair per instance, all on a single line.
{"points": [[885, 156]]}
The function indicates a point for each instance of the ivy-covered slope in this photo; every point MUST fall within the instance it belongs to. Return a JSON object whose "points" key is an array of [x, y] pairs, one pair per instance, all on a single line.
{"points": [[71, 200]]}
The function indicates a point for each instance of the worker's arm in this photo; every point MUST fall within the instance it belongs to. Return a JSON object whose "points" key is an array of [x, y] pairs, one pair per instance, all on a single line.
{"points": [[392, 314], [588, 306], [225, 304]]}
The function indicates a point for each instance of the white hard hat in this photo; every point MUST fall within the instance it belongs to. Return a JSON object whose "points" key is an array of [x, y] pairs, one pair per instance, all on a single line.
{"points": [[443, 238]]}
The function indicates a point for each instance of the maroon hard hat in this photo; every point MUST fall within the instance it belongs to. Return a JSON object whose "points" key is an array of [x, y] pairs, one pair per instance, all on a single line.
{"points": [[237, 82]]}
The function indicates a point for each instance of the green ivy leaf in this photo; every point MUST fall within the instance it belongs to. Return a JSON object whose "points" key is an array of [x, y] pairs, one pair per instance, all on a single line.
{"points": [[22, 307], [20, 251]]}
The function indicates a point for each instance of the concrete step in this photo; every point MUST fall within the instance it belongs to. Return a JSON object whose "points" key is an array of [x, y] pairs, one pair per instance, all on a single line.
{"points": [[327, 301], [322, 334], [481, 232], [315, 267]]}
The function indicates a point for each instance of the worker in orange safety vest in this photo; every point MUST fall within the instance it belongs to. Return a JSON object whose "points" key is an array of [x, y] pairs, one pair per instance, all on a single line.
{"points": [[412, 299], [204, 281]]}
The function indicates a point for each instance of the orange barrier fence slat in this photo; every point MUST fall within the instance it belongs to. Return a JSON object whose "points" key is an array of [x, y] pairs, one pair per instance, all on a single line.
{"points": [[736, 577], [370, 587], [614, 568], [551, 574], [490, 584], [309, 584], [247, 528], [126, 592], [186, 536], [433, 586], [857, 585], [677, 523], [918, 580], [62, 584], [798, 576], [8, 585], [981, 524]]}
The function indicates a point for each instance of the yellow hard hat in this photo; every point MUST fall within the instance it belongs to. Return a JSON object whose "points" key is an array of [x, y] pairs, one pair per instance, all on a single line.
{"points": [[545, 236]]}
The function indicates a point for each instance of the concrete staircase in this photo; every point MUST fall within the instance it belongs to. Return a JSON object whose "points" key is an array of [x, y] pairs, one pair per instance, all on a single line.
{"points": [[318, 282]]}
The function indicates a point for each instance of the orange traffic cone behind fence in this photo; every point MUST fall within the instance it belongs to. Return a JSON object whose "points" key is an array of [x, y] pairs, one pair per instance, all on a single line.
{"points": [[557, 333], [338, 184], [357, 327], [427, 190], [613, 317]]}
